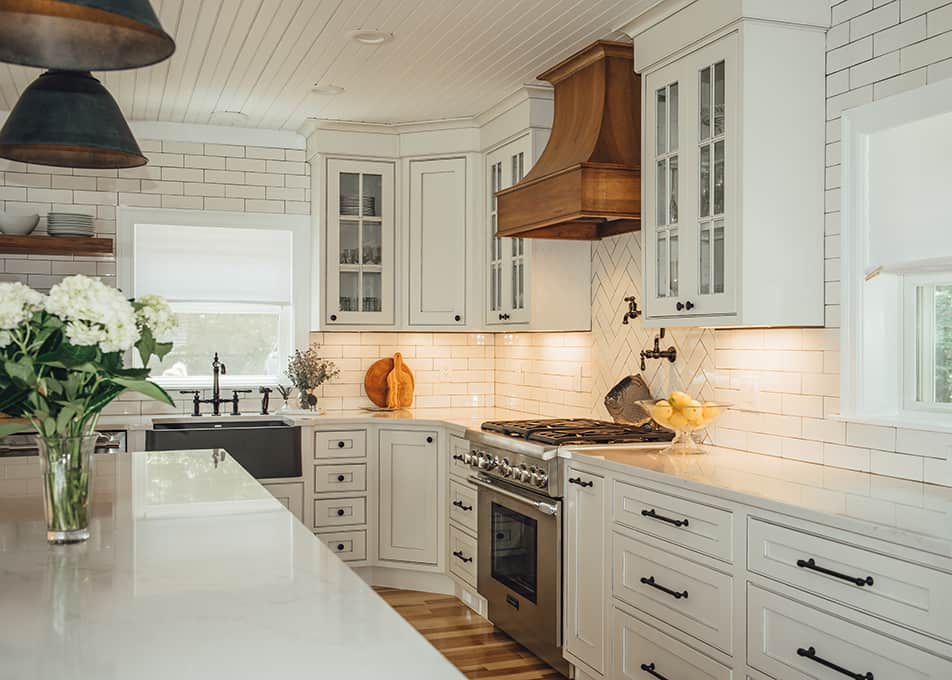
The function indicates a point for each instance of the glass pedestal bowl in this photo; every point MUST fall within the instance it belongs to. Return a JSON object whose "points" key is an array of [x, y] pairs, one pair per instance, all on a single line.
{"points": [[684, 421]]}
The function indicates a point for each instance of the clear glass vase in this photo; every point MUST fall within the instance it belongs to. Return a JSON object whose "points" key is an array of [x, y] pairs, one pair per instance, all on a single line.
{"points": [[66, 465]]}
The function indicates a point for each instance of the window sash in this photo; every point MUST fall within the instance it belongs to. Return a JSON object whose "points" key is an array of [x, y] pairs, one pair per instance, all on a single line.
{"points": [[918, 343]]}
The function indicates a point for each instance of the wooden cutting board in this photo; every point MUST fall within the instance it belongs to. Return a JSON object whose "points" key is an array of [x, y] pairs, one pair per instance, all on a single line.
{"points": [[375, 381]]}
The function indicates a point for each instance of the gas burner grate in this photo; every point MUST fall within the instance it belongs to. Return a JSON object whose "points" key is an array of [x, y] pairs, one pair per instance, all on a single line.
{"points": [[577, 431]]}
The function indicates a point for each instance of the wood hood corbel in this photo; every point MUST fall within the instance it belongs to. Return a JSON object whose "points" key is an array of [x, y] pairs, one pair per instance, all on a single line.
{"points": [[587, 183]]}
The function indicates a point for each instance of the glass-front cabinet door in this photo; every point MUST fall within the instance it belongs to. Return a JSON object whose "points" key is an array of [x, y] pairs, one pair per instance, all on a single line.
{"points": [[689, 189], [508, 257], [360, 243]]}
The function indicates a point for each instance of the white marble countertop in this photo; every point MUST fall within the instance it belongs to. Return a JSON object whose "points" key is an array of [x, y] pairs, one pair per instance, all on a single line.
{"points": [[193, 571], [907, 513]]}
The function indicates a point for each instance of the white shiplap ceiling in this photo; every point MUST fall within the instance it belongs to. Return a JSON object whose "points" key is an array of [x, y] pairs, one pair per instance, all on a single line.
{"points": [[448, 58]]}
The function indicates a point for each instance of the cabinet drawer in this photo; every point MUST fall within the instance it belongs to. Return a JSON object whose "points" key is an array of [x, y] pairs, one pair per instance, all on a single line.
{"points": [[342, 444], [332, 512], [906, 593], [697, 526], [782, 634], [340, 478], [640, 648], [350, 546], [458, 448], [463, 505], [687, 595], [463, 555]]}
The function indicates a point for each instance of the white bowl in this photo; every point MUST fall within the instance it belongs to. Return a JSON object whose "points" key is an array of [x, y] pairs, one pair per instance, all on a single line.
{"points": [[19, 225]]}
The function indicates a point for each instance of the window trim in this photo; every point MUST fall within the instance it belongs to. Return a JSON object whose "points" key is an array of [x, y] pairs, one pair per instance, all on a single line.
{"points": [[914, 343], [303, 267]]}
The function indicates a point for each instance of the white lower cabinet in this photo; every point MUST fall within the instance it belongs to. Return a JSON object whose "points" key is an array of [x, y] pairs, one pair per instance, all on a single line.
{"points": [[290, 495], [410, 470], [790, 640], [585, 507], [641, 651]]}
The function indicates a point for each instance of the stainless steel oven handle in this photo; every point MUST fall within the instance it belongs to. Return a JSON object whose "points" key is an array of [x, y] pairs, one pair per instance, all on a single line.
{"points": [[544, 508]]}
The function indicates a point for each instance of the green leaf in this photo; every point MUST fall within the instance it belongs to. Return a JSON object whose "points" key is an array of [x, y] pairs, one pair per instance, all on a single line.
{"points": [[13, 428], [149, 389], [134, 373], [68, 356], [21, 372], [64, 417], [162, 349]]}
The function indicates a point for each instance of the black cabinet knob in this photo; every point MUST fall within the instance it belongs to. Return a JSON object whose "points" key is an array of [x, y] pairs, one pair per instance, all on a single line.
{"points": [[340, 478], [333, 317], [457, 318], [340, 512], [679, 306], [340, 445], [340, 547], [429, 440], [689, 305]]}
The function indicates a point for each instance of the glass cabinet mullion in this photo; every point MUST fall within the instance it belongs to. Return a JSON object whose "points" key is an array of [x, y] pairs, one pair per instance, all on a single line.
{"points": [[712, 174], [667, 179]]}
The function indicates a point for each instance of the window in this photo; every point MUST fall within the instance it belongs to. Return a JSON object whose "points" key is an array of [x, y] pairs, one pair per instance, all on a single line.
{"points": [[927, 376], [238, 283]]}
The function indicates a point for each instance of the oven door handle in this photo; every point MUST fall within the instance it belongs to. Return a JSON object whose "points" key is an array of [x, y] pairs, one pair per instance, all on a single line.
{"points": [[544, 508]]}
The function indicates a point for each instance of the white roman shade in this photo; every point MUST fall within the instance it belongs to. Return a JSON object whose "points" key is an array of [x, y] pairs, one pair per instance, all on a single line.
{"points": [[213, 263]]}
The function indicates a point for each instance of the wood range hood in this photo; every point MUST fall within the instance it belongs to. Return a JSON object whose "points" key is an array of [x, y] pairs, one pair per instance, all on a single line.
{"points": [[587, 183]]}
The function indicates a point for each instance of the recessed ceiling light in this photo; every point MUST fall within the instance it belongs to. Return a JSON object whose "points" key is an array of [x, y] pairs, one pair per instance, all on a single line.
{"points": [[328, 90], [229, 118], [369, 37]]}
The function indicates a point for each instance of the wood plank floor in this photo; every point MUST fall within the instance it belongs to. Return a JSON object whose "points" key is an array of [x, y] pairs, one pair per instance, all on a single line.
{"points": [[469, 641]]}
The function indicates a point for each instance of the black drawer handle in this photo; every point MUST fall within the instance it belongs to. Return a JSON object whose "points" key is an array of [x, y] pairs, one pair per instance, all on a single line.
{"points": [[340, 478], [649, 581], [429, 440], [857, 580], [810, 653], [458, 554], [459, 457], [580, 481], [340, 547], [654, 515], [340, 445], [462, 506], [649, 668], [340, 512], [504, 317]]}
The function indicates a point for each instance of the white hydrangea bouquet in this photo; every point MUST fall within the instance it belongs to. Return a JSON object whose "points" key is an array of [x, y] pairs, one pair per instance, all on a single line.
{"points": [[61, 363]]}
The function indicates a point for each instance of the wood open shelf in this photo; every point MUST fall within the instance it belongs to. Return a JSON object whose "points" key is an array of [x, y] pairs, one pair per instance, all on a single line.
{"points": [[54, 245]]}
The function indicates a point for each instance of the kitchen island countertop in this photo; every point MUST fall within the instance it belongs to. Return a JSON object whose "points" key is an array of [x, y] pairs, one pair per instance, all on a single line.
{"points": [[193, 571]]}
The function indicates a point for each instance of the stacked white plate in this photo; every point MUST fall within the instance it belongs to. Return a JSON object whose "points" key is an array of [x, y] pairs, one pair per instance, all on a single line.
{"points": [[69, 224], [352, 205]]}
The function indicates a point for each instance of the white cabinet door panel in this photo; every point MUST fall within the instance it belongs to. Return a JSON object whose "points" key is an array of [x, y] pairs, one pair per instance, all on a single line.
{"points": [[438, 242]]}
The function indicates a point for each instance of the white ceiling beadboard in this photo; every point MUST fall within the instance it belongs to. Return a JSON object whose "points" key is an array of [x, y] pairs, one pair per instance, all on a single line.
{"points": [[448, 58]]}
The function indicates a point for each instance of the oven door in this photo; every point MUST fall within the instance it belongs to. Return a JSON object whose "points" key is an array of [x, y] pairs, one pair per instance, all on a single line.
{"points": [[519, 565]]}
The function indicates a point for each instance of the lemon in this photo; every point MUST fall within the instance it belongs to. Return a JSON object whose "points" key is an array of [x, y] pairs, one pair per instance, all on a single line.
{"points": [[678, 421], [693, 412], [679, 400], [662, 410], [710, 412]]}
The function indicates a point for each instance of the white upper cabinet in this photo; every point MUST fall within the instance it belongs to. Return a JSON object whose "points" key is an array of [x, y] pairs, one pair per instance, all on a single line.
{"points": [[532, 284], [733, 163], [437, 242], [359, 271]]}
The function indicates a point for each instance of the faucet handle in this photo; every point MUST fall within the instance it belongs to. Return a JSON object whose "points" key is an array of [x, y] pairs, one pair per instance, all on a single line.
{"points": [[242, 391]]}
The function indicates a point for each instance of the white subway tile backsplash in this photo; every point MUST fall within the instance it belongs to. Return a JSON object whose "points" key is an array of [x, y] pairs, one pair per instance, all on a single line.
{"points": [[899, 36], [912, 8], [877, 20], [847, 9], [927, 52]]}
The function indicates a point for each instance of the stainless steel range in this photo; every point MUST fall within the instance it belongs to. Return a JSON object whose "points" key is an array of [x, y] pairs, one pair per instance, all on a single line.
{"points": [[519, 559]]}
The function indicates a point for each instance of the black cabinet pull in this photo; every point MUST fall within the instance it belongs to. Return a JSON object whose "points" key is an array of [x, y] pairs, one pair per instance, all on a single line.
{"points": [[649, 581], [333, 317], [689, 305], [504, 317], [857, 580], [654, 515], [340, 478], [458, 554], [429, 440], [340, 445], [462, 506], [340, 547], [810, 653], [459, 457], [340, 512], [649, 668], [580, 481], [457, 318]]}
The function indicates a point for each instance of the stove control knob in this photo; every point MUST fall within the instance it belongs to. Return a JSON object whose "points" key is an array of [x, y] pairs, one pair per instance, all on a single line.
{"points": [[480, 460], [468, 457], [541, 479], [505, 468], [522, 474], [491, 462]]}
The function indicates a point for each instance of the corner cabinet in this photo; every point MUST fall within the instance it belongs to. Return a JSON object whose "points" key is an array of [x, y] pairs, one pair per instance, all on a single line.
{"points": [[532, 284], [733, 164], [360, 243]]}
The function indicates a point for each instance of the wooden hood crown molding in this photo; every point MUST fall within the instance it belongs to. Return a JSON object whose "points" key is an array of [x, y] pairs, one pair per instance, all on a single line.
{"points": [[587, 182]]}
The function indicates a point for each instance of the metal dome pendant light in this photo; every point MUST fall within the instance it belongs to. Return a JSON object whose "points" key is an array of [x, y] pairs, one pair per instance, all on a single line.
{"points": [[82, 35], [68, 119]]}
